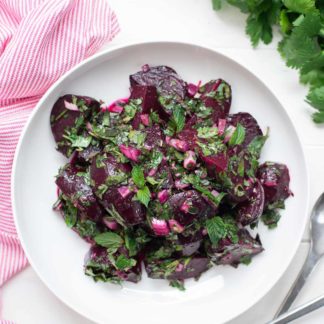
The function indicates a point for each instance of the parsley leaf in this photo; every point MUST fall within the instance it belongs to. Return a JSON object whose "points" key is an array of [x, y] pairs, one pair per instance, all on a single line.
{"points": [[109, 240], [144, 195], [238, 136], [138, 176]]}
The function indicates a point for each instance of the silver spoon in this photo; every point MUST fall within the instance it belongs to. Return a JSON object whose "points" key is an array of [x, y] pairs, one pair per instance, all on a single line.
{"points": [[316, 251]]}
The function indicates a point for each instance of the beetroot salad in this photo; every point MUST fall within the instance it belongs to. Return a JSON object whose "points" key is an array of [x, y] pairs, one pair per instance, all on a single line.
{"points": [[166, 177]]}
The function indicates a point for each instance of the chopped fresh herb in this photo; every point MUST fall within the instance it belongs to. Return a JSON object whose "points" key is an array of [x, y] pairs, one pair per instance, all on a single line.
{"points": [[109, 240], [179, 284], [138, 176], [123, 263], [219, 228], [144, 195], [270, 218], [238, 136]]}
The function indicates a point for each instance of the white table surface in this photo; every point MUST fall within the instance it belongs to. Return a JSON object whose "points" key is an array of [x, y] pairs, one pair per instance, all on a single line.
{"points": [[26, 300]]}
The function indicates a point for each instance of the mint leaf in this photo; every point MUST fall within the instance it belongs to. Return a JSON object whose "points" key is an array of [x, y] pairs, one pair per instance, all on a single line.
{"points": [[270, 218], [70, 214], [109, 240], [300, 6], [144, 195], [78, 140], [207, 132], [138, 176], [219, 228], [238, 136], [123, 263], [130, 243]]}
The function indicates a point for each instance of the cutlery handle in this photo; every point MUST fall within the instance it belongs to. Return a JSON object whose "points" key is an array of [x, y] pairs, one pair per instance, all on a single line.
{"points": [[299, 311], [306, 270]]}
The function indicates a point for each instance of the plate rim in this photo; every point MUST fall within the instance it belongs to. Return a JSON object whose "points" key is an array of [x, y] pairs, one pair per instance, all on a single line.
{"points": [[128, 45]]}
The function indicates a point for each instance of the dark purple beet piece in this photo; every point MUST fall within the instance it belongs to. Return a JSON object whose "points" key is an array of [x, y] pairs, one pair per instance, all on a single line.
{"points": [[215, 163], [74, 187], [250, 124], [229, 253], [275, 179], [250, 210], [148, 95], [165, 79], [188, 206], [132, 211], [190, 244], [99, 266], [154, 137], [63, 119], [189, 134], [164, 172], [105, 166], [85, 156], [217, 94]]}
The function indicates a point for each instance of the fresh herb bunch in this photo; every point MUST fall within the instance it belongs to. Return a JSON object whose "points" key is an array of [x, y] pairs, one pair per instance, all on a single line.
{"points": [[302, 47]]}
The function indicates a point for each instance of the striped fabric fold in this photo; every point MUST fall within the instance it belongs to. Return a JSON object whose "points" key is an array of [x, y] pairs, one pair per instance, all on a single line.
{"points": [[39, 41]]}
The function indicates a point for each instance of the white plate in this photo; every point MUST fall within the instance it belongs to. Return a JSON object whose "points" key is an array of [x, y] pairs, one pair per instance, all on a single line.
{"points": [[56, 253]]}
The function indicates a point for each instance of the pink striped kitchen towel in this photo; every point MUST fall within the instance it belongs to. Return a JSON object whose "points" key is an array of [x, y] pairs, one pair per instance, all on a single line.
{"points": [[39, 41]]}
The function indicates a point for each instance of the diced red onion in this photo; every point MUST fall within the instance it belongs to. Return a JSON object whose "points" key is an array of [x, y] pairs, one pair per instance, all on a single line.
{"points": [[193, 88], [215, 193], [216, 85], [57, 191], [160, 227], [185, 207], [70, 106], [74, 157], [163, 196], [152, 172], [175, 226], [124, 191], [111, 224], [190, 160], [270, 183], [130, 152], [180, 185], [115, 106], [204, 232], [221, 126], [179, 145], [179, 267], [167, 139], [145, 119]]}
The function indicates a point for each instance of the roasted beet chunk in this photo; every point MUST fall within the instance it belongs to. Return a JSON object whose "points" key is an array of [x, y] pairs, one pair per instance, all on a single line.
{"points": [[188, 206], [275, 179], [190, 243], [215, 163], [148, 95], [67, 115], [98, 265], [85, 156], [252, 129], [250, 210], [74, 185], [120, 200], [176, 269], [217, 94], [227, 252], [105, 171], [154, 137], [165, 79]]}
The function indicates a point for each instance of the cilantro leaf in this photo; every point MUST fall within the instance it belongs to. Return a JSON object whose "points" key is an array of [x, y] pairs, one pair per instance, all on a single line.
{"points": [[256, 145], [144, 195], [138, 176], [109, 240], [315, 98], [238, 136]]}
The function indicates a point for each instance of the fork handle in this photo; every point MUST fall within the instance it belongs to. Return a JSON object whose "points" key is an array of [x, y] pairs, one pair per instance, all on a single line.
{"points": [[306, 270]]}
